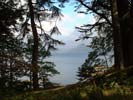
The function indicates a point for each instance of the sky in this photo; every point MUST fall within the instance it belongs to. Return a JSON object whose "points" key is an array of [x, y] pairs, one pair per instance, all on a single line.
{"points": [[73, 54]]}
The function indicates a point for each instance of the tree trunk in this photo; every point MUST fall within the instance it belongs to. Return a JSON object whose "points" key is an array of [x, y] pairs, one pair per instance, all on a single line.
{"points": [[130, 49], [11, 74], [118, 51], [126, 23], [35, 48]]}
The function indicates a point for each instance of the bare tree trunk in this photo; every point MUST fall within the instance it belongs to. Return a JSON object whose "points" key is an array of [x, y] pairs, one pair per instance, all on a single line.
{"points": [[126, 22], [131, 36], [35, 48], [118, 50]]}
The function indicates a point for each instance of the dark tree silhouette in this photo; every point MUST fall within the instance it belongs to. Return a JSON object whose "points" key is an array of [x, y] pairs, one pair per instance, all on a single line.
{"points": [[36, 12], [12, 64], [117, 15]]}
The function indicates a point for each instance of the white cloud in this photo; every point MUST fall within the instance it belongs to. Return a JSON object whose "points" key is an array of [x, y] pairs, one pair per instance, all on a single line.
{"points": [[80, 15], [47, 25], [67, 18], [65, 31]]}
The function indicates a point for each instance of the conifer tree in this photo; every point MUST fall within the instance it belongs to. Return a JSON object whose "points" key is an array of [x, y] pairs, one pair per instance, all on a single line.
{"points": [[11, 61], [112, 17], [38, 11]]}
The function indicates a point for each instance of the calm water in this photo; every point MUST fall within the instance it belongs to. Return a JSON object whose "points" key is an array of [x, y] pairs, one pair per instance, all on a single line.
{"points": [[67, 64]]}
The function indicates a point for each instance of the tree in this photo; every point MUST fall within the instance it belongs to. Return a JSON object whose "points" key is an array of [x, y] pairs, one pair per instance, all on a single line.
{"points": [[11, 61], [85, 73], [44, 50], [47, 70], [114, 21], [104, 10], [38, 11], [99, 32], [125, 15], [35, 46], [118, 50]]}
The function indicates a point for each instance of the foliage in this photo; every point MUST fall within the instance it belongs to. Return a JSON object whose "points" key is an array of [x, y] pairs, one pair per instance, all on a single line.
{"points": [[120, 77], [96, 94], [12, 64], [44, 10], [105, 36], [110, 25], [36, 12], [98, 32], [15, 53], [109, 79], [46, 69], [86, 73], [10, 13]]}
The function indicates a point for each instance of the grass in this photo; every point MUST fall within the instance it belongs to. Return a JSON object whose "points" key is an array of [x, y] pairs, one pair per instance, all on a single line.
{"points": [[84, 93]]}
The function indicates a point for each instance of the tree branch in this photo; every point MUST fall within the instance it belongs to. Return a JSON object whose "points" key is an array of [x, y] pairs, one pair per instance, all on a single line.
{"points": [[93, 10]]}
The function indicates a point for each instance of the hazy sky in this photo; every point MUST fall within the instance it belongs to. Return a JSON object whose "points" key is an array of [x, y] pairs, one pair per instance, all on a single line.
{"points": [[72, 55]]}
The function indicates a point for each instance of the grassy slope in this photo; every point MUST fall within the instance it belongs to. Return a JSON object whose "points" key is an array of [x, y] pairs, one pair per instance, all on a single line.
{"points": [[87, 92], [70, 93]]}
